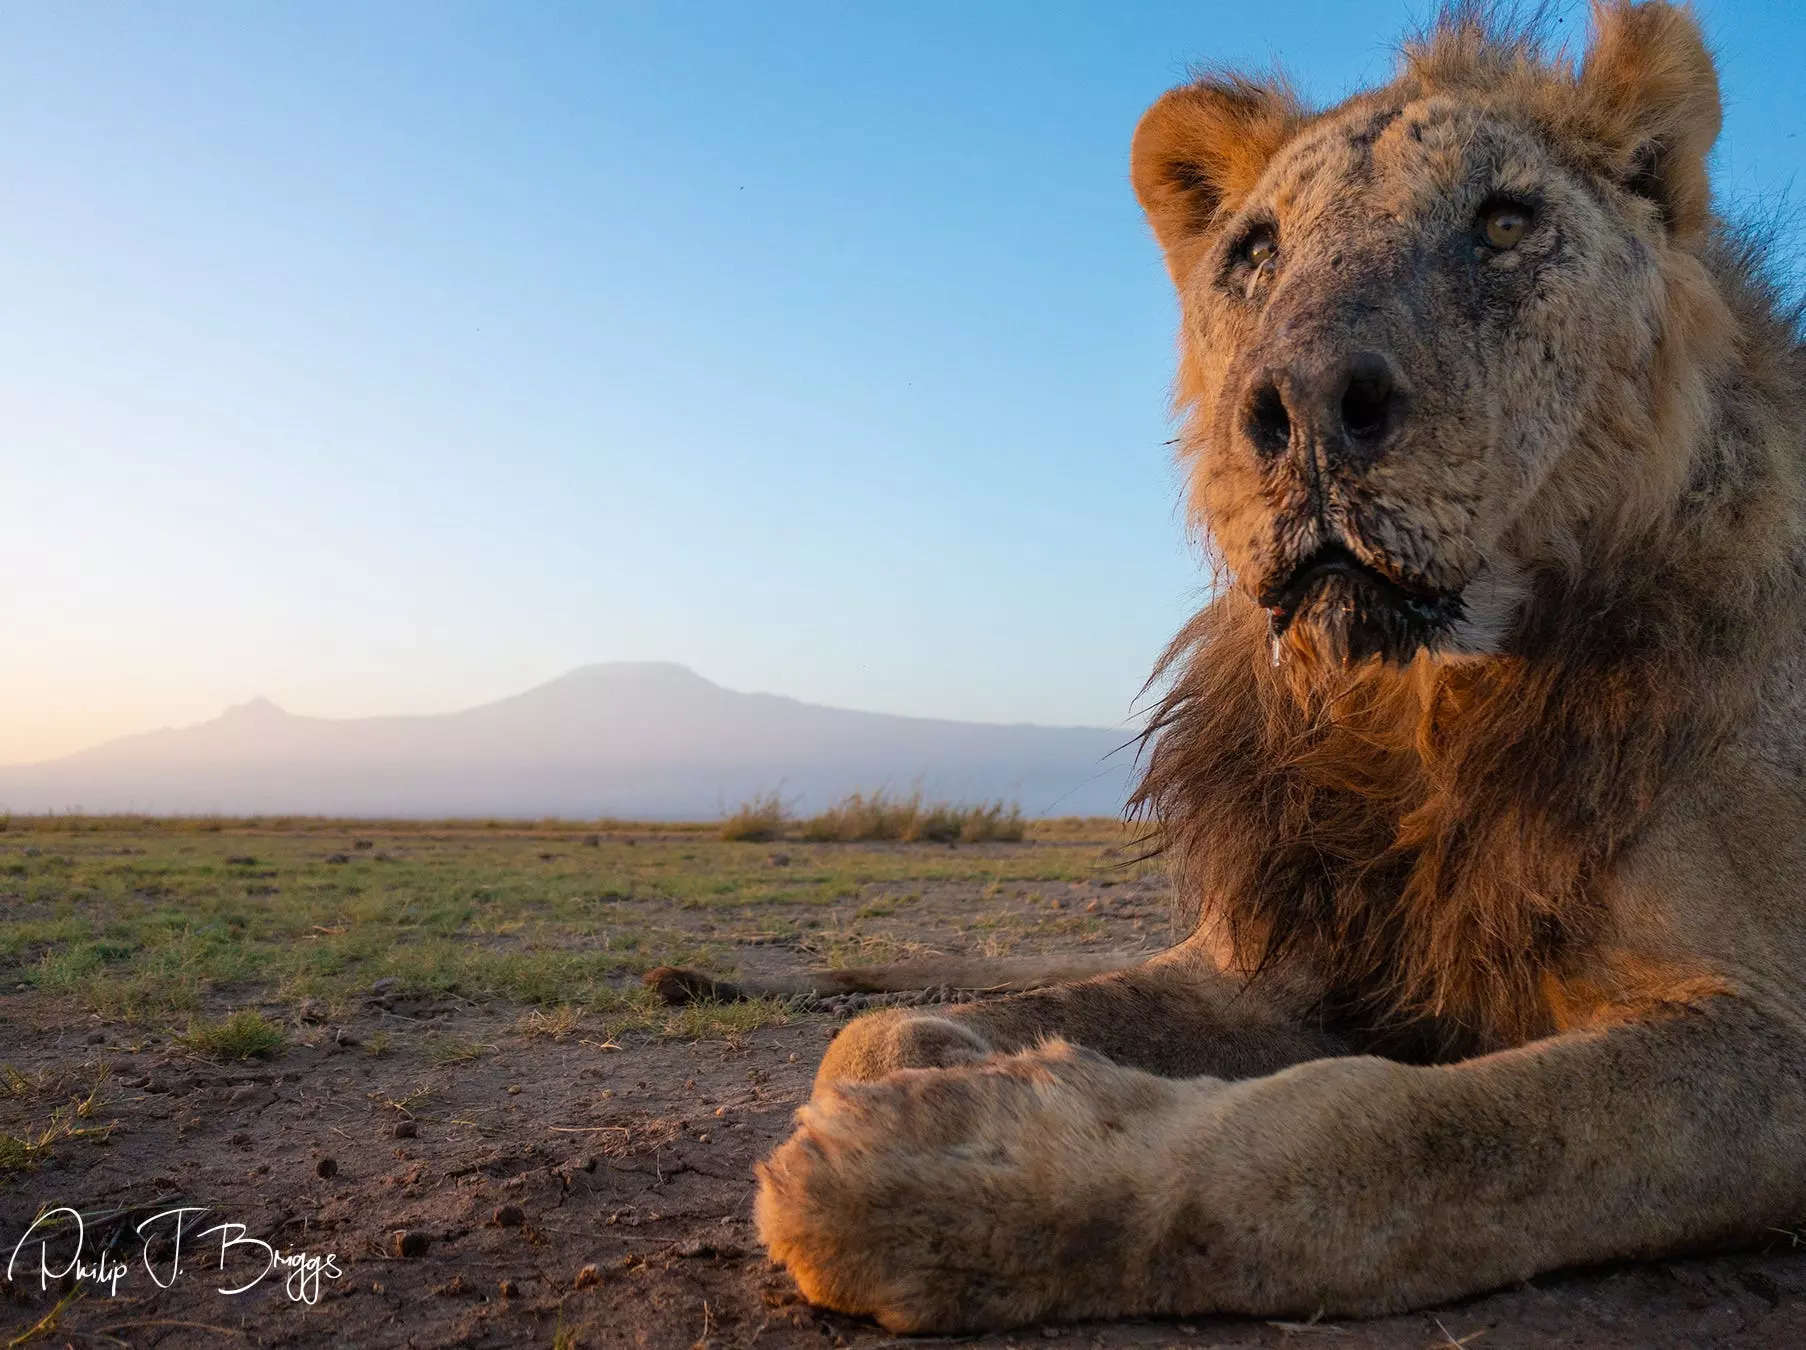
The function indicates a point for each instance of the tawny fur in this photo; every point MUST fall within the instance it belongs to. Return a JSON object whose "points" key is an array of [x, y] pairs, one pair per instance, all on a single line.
{"points": [[1498, 937]]}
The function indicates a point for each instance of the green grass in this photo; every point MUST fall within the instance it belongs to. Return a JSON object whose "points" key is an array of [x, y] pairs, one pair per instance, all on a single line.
{"points": [[163, 922], [246, 1034]]}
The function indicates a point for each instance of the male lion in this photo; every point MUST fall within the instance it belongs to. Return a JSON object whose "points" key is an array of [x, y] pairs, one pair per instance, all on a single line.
{"points": [[1485, 778]]}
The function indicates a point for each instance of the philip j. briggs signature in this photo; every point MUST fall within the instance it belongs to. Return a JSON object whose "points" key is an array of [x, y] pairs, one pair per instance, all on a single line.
{"points": [[60, 1235]]}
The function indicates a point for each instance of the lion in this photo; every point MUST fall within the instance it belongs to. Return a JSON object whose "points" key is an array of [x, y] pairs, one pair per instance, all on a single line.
{"points": [[1482, 777]]}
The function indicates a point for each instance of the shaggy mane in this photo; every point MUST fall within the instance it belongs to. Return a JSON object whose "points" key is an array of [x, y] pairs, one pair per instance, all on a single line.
{"points": [[1430, 840]]}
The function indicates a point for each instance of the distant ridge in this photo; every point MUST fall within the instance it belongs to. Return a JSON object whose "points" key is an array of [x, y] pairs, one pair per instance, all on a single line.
{"points": [[647, 740]]}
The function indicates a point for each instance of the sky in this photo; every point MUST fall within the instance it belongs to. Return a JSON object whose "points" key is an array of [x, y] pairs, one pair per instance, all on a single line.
{"points": [[382, 358]]}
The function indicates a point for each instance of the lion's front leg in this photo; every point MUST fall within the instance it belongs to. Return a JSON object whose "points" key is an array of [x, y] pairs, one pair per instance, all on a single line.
{"points": [[1056, 1184], [1176, 1015]]}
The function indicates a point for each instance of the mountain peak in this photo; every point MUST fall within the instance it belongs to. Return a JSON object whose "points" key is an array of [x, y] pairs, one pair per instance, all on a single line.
{"points": [[634, 672], [259, 709], [642, 739]]}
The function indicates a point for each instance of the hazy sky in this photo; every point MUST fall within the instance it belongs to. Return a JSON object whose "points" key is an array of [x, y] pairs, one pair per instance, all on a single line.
{"points": [[385, 357]]}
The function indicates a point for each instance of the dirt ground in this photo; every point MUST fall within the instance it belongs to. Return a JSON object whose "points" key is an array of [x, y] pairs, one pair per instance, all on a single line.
{"points": [[570, 1185]]}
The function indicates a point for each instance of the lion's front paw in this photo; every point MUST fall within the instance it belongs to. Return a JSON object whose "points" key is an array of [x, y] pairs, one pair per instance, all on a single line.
{"points": [[879, 1044], [981, 1196]]}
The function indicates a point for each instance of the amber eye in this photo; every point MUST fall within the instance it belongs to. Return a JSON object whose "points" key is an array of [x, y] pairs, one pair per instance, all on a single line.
{"points": [[1260, 246], [1504, 223]]}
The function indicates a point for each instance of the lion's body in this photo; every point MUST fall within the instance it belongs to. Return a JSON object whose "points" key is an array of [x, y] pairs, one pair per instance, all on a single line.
{"points": [[1484, 782]]}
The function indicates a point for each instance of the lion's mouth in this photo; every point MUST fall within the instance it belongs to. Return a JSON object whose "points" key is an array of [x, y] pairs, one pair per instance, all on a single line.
{"points": [[1362, 611]]}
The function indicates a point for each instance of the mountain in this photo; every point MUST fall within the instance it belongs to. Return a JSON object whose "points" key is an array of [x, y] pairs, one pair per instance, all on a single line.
{"points": [[641, 740]]}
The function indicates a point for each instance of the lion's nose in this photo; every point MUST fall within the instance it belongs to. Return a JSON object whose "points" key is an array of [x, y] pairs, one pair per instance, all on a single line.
{"points": [[1347, 411]]}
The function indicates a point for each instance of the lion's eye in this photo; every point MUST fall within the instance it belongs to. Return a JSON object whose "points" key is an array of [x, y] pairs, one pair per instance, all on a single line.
{"points": [[1504, 224], [1261, 246]]}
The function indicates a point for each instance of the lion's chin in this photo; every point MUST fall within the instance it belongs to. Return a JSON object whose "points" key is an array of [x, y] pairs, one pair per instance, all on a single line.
{"points": [[1347, 623], [1349, 612]]}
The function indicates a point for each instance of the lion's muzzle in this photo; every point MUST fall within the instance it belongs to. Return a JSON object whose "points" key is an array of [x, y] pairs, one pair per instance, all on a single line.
{"points": [[1359, 610]]}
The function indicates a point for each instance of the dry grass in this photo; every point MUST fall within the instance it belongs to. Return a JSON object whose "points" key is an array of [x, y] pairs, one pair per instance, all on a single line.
{"points": [[24, 1151], [557, 1023], [878, 817], [909, 820], [757, 821]]}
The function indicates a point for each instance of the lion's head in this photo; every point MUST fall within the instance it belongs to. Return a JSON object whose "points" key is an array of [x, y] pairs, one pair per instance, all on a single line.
{"points": [[1430, 336]]}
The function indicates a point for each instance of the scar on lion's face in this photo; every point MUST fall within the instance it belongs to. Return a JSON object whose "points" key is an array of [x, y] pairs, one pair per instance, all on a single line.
{"points": [[1403, 323]]}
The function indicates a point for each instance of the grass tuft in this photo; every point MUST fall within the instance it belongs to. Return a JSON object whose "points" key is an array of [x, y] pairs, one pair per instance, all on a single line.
{"points": [[246, 1034], [758, 820], [878, 816]]}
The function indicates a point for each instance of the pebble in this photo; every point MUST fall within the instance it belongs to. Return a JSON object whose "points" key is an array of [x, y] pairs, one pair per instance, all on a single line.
{"points": [[409, 1243]]}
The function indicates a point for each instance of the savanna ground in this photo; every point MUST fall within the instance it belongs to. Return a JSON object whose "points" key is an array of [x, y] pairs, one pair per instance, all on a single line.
{"points": [[423, 1049]]}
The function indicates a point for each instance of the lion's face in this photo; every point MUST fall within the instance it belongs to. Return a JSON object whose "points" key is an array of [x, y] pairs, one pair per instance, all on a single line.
{"points": [[1395, 340], [1402, 322]]}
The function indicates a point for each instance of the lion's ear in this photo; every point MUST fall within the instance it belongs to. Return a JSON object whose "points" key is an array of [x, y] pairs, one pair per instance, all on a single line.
{"points": [[1650, 90], [1201, 148]]}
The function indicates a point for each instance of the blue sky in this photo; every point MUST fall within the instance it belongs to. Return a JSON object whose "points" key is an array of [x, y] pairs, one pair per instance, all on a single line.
{"points": [[386, 358]]}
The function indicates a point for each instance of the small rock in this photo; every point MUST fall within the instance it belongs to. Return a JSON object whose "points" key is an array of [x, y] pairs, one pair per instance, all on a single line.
{"points": [[509, 1216], [409, 1243], [240, 1140], [587, 1277], [405, 1129], [514, 1089], [508, 1288], [326, 1167], [343, 1037], [701, 1246]]}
